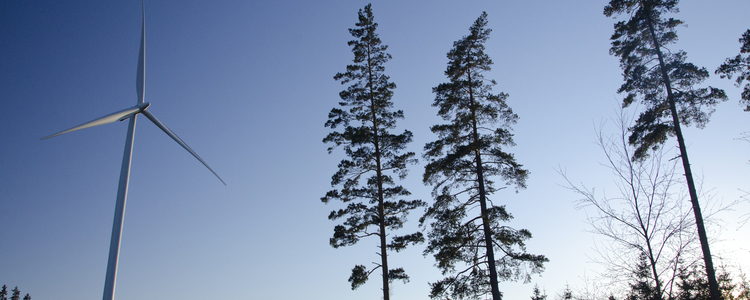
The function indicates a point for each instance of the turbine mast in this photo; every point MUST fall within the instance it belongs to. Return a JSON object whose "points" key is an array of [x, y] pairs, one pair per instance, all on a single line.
{"points": [[122, 195]]}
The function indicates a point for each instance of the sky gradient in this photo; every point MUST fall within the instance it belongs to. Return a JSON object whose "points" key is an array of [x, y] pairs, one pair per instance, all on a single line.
{"points": [[248, 85]]}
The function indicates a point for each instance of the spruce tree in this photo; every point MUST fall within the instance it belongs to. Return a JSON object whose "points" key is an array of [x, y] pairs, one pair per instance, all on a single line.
{"points": [[466, 236], [665, 84], [692, 285], [567, 293], [641, 285], [375, 204], [740, 64], [538, 294], [16, 294]]}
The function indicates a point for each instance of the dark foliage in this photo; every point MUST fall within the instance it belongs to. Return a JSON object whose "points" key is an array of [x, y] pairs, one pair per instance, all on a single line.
{"points": [[567, 293], [465, 232], [538, 294], [739, 65], [641, 286], [15, 294], [375, 204], [693, 284], [652, 73]]}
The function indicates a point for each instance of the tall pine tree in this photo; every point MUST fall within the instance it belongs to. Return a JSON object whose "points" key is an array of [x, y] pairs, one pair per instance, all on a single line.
{"points": [[666, 85], [466, 236], [376, 206]]}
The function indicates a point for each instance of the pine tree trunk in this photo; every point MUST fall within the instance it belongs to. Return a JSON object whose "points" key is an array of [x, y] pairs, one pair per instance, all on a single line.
{"points": [[379, 171], [483, 202], [487, 231], [712, 283], [383, 243]]}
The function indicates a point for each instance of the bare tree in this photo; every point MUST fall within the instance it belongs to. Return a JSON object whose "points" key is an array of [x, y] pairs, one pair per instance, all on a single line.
{"points": [[646, 218]]}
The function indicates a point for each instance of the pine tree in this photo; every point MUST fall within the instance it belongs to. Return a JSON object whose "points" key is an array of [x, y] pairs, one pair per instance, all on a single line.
{"points": [[666, 85], [465, 229], [375, 207], [4, 293], [740, 64]]}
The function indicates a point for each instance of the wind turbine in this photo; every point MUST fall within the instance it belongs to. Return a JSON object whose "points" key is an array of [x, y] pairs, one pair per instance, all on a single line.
{"points": [[122, 189]]}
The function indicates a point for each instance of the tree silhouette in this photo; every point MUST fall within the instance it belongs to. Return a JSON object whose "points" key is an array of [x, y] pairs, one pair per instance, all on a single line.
{"points": [[642, 283], [367, 117], [16, 294], [465, 229], [538, 294], [567, 293], [694, 286], [740, 65], [665, 84]]}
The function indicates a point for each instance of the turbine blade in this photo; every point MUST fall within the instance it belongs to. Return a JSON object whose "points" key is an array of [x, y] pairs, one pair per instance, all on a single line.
{"points": [[140, 77], [116, 116], [179, 141]]}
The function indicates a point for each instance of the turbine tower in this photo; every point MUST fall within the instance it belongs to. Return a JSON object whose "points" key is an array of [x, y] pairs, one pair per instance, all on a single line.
{"points": [[122, 189]]}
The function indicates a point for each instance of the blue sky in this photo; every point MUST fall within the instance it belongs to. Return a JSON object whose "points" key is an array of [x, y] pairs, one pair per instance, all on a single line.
{"points": [[248, 86]]}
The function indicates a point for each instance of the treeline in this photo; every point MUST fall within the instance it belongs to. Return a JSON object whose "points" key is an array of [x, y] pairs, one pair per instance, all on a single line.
{"points": [[690, 284], [468, 163], [15, 294]]}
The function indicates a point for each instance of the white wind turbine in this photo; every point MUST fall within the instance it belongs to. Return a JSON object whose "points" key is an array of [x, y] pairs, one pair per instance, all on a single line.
{"points": [[122, 189]]}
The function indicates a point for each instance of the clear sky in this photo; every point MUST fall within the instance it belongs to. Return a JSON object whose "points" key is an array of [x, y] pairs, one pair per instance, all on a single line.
{"points": [[248, 85]]}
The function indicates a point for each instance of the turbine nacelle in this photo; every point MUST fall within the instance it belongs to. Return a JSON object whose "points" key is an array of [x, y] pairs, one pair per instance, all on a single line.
{"points": [[141, 107]]}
